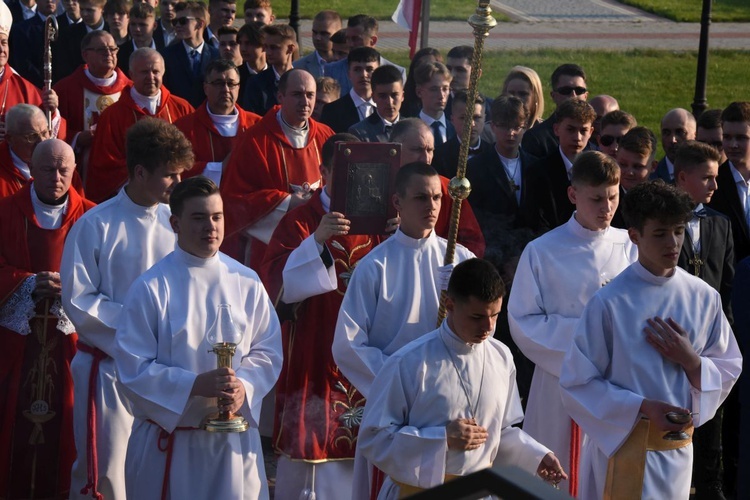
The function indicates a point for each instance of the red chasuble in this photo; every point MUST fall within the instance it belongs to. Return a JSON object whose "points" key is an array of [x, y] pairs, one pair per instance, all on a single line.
{"points": [[36, 388], [208, 144], [107, 171], [318, 411], [11, 180], [75, 93], [263, 170], [469, 232], [14, 89]]}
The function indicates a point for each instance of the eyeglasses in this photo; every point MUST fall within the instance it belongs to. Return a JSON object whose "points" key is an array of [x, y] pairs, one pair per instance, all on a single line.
{"points": [[103, 51], [569, 90], [224, 83], [182, 21], [34, 137], [608, 140]]}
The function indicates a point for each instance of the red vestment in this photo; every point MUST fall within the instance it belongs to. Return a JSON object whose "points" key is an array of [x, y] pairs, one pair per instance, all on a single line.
{"points": [[107, 171], [208, 144], [36, 388], [14, 89], [70, 91], [318, 411], [11, 180], [469, 233], [262, 171]]}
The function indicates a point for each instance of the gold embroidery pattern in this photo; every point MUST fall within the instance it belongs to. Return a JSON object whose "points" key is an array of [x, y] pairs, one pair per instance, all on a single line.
{"points": [[351, 416], [346, 262]]}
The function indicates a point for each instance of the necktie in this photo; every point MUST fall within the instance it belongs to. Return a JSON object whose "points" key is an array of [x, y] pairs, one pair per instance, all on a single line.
{"points": [[195, 62], [701, 214], [387, 129], [437, 133]]}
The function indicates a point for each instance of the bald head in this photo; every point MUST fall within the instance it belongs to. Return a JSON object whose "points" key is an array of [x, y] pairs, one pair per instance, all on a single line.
{"points": [[417, 141], [52, 165], [297, 96], [602, 104], [677, 126]]}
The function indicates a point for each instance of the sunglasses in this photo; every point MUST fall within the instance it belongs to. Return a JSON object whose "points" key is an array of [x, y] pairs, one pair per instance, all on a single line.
{"points": [[182, 21], [570, 90], [608, 140]]}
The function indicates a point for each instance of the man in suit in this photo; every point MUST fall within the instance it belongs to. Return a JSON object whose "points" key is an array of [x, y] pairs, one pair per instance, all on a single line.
{"points": [[221, 14], [71, 14], [279, 44], [250, 39], [361, 31], [27, 43], [186, 60], [164, 28], [357, 104], [325, 24], [568, 82], [388, 95], [141, 28], [446, 154], [22, 10], [433, 87], [635, 156], [708, 130], [708, 253], [67, 48], [677, 126], [549, 177]]}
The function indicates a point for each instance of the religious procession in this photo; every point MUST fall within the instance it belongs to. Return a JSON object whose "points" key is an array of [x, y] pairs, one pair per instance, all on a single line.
{"points": [[218, 253]]}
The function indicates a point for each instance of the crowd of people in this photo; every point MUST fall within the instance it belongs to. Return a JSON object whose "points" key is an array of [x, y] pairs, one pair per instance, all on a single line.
{"points": [[166, 188]]}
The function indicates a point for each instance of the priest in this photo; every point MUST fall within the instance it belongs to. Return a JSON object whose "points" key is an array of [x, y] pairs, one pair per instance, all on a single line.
{"points": [[556, 276], [168, 372], [274, 168], [214, 127], [104, 253], [445, 405], [146, 98], [37, 341]]}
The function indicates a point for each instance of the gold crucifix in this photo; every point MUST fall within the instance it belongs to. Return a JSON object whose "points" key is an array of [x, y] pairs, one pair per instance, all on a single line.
{"points": [[697, 264]]}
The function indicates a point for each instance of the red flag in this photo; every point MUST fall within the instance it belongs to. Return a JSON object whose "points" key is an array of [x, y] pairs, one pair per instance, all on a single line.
{"points": [[407, 15]]}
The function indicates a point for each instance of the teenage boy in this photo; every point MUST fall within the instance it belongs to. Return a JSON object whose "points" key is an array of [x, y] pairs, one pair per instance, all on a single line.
{"points": [[325, 24], [327, 90], [141, 28], [357, 104], [67, 48], [388, 95], [279, 44], [708, 130], [433, 86], [635, 155], [732, 196], [250, 38], [651, 343], [707, 252], [612, 127], [568, 83], [549, 177], [498, 176], [445, 404], [259, 11], [446, 154], [556, 276], [186, 60], [221, 14]]}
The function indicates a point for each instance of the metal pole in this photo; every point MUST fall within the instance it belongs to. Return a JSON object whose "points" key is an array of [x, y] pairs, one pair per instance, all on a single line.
{"points": [[294, 22], [700, 103], [424, 37]]}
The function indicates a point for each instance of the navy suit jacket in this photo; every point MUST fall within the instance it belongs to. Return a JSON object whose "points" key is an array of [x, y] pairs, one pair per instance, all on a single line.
{"points": [[260, 93], [726, 200], [540, 140], [662, 172], [66, 51], [717, 254], [178, 76], [339, 71], [127, 49], [27, 50], [371, 129], [445, 160], [549, 205], [340, 114]]}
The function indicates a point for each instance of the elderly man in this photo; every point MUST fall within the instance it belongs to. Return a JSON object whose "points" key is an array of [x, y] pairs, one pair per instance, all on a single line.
{"points": [[37, 341], [27, 127], [214, 127], [677, 126], [105, 252], [91, 88], [417, 144], [275, 166], [147, 97]]}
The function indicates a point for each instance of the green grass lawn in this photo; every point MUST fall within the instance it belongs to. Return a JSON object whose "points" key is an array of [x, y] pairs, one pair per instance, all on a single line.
{"points": [[690, 10], [647, 83], [440, 10]]}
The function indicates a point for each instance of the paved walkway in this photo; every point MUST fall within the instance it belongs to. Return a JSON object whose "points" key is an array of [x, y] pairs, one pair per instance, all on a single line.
{"points": [[569, 24]]}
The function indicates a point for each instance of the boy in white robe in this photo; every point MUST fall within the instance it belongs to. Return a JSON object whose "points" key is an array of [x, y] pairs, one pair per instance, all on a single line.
{"points": [[169, 374], [445, 404], [556, 276], [105, 251], [653, 341]]}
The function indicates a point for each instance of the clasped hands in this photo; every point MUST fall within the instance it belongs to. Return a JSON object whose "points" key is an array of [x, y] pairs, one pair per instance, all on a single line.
{"points": [[223, 384]]}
